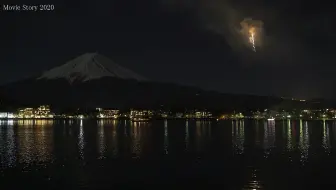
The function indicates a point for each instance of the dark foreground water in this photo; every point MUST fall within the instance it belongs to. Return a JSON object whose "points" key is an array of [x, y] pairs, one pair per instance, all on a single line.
{"points": [[91, 154]]}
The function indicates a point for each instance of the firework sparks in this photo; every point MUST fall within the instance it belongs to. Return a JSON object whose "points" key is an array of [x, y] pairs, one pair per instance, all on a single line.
{"points": [[252, 37], [251, 30]]}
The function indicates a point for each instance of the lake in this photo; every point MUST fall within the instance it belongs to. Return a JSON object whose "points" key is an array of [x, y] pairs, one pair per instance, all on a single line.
{"points": [[91, 154]]}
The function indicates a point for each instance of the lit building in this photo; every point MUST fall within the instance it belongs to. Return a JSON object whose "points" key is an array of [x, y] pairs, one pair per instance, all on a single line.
{"points": [[224, 116], [179, 115], [108, 113], [6, 115], [237, 116], [283, 115], [10, 115], [269, 114], [258, 115], [306, 111], [141, 115], [25, 113], [3, 115], [43, 112], [164, 115], [203, 115], [190, 115]]}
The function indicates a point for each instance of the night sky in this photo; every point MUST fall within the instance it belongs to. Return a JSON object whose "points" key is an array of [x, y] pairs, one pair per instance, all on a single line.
{"points": [[182, 41]]}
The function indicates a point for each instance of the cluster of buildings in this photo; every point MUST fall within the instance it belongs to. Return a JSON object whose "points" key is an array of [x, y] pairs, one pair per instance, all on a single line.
{"points": [[323, 114], [44, 112], [108, 114], [296, 114], [232, 116]]}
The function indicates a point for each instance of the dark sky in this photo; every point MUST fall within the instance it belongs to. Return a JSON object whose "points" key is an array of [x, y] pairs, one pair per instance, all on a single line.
{"points": [[184, 41]]}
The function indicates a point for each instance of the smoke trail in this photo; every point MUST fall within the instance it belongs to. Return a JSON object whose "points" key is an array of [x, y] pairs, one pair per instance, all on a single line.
{"points": [[252, 31], [228, 19]]}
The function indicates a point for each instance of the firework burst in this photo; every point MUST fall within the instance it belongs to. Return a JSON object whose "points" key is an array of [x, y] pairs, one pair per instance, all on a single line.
{"points": [[252, 31], [252, 38]]}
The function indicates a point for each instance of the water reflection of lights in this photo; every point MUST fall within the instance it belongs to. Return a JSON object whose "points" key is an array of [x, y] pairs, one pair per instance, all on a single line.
{"points": [[334, 129], [43, 142], [253, 182], [9, 122], [26, 122], [8, 147], [115, 144], [81, 141], [257, 140], [166, 140], [11, 155], [43, 122], [125, 128], [326, 138], [209, 128], [304, 142], [71, 122], [100, 123], [265, 138], [269, 137], [289, 136], [26, 145], [186, 135], [34, 142], [101, 141], [238, 137], [283, 129], [126, 131], [2, 141], [136, 139], [199, 136]]}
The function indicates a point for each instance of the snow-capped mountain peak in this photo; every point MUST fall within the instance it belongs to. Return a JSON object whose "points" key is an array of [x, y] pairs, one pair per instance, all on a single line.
{"points": [[90, 66]]}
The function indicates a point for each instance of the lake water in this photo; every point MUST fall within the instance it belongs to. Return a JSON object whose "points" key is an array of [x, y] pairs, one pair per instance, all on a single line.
{"points": [[90, 154]]}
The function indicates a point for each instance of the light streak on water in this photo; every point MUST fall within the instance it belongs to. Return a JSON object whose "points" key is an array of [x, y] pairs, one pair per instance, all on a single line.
{"points": [[238, 137], [166, 140], [326, 138], [81, 142], [101, 142], [304, 142], [186, 135]]}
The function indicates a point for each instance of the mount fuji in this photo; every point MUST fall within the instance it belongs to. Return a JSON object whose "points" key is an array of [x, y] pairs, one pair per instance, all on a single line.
{"points": [[92, 80], [90, 66]]}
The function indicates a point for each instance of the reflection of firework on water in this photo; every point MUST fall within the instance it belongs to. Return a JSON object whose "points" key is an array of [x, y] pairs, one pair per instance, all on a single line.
{"points": [[252, 30]]}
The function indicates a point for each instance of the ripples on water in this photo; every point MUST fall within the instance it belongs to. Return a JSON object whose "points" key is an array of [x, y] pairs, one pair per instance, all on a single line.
{"points": [[235, 154]]}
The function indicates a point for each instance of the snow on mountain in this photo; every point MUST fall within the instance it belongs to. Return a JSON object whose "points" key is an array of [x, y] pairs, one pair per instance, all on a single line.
{"points": [[90, 66]]}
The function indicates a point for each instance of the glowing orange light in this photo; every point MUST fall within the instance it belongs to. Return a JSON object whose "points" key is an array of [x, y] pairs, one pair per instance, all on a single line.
{"points": [[252, 37]]}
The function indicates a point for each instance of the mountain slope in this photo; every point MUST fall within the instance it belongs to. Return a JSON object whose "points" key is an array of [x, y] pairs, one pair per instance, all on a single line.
{"points": [[88, 67], [92, 80], [117, 93]]}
